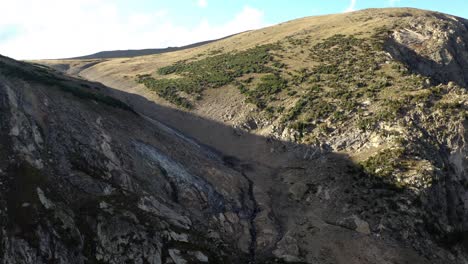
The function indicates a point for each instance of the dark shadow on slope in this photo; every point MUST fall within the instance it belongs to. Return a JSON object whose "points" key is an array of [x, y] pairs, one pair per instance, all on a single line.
{"points": [[370, 197], [446, 195], [336, 188]]}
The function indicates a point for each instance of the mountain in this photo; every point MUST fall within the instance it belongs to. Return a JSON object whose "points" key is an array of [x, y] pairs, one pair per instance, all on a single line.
{"points": [[331, 139], [142, 52]]}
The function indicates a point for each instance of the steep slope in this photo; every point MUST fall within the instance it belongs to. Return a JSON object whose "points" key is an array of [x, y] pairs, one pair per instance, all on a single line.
{"points": [[86, 179], [347, 127]]}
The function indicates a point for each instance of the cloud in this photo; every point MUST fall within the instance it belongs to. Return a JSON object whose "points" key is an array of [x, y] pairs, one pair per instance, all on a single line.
{"points": [[202, 3], [393, 2], [351, 6], [75, 28]]}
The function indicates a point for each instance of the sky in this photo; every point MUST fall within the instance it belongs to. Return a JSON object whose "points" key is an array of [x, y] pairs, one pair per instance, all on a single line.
{"points": [[47, 29]]}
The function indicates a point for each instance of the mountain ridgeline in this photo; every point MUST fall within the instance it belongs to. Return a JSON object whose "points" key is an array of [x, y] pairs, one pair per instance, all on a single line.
{"points": [[142, 52], [331, 139]]}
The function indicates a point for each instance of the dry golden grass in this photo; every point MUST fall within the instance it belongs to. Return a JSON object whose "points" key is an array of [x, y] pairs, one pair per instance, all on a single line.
{"points": [[120, 73], [318, 27]]}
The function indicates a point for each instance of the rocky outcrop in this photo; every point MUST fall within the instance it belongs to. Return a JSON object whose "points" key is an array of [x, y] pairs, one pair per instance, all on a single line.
{"points": [[86, 182], [434, 45]]}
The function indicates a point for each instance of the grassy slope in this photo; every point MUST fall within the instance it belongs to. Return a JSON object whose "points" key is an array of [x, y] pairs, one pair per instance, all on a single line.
{"points": [[319, 79], [120, 73]]}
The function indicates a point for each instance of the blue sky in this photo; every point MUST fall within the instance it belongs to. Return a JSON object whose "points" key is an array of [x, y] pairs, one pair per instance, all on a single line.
{"points": [[57, 28], [277, 11]]}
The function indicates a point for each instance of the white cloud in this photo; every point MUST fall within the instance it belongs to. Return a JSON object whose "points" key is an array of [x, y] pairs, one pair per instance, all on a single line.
{"points": [[393, 2], [74, 28], [351, 7], [202, 3]]}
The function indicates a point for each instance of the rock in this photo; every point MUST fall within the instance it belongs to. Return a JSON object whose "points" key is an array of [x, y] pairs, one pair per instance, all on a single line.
{"points": [[451, 85], [200, 256], [361, 225], [178, 237], [213, 235], [353, 223], [427, 83], [176, 256], [232, 217], [287, 249], [298, 190], [44, 200], [149, 204]]}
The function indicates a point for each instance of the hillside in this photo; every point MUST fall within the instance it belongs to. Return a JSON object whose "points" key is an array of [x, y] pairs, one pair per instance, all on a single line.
{"points": [[296, 52], [85, 178], [142, 52], [338, 139]]}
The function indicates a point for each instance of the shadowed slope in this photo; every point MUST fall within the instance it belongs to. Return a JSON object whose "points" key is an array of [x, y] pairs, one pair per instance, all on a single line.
{"points": [[91, 182]]}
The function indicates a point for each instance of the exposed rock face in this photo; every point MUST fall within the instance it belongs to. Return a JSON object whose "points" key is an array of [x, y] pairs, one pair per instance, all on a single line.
{"points": [[434, 48], [85, 182], [87, 179], [439, 49]]}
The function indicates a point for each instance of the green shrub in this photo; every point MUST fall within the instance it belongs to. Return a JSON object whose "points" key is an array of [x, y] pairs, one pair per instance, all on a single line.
{"points": [[296, 110], [366, 124], [269, 85], [385, 163], [222, 69], [169, 89], [319, 109], [213, 72]]}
